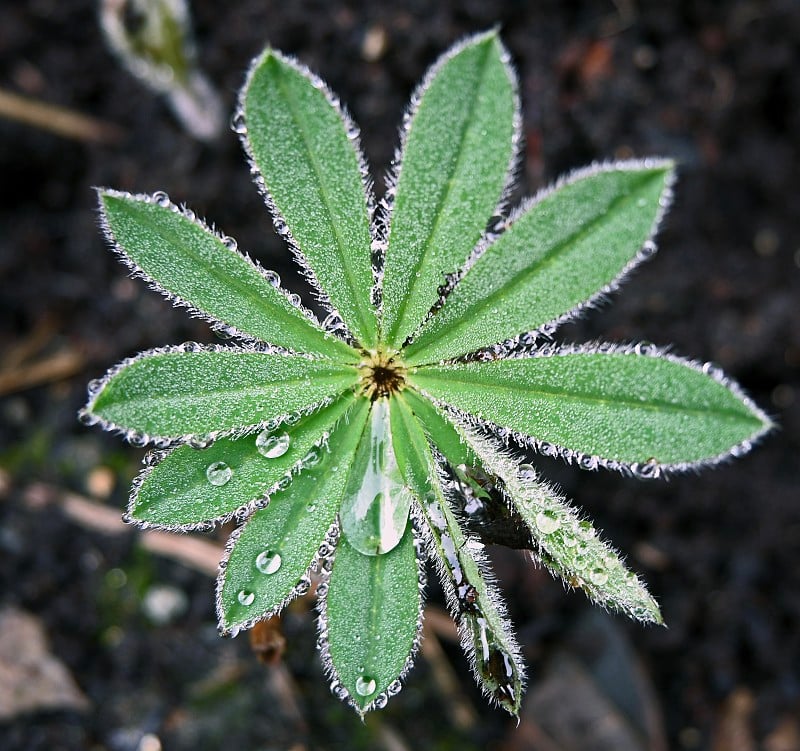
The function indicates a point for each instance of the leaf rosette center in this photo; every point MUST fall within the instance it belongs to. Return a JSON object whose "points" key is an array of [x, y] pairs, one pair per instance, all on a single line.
{"points": [[381, 374]]}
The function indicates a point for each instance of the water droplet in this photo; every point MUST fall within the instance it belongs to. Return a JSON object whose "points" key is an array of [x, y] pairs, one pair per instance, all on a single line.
{"points": [[312, 458], [311, 508], [272, 277], [598, 576], [230, 243], [365, 686], [526, 473], [547, 522], [268, 561], [200, 441], [246, 597], [238, 124], [218, 473], [585, 530], [295, 300], [161, 198], [272, 445]]}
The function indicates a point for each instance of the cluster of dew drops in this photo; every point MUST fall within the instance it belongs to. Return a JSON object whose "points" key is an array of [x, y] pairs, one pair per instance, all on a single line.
{"points": [[271, 443]]}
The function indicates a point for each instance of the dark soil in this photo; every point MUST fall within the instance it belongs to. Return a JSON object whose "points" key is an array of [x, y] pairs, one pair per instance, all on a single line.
{"points": [[713, 84]]}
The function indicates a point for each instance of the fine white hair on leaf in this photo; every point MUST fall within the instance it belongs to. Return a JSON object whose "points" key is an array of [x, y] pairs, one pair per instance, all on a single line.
{"points": [[527, 340], [641, 470], [137, 438], [565, 544], [228, 245], [281, 226], [392, 177]]}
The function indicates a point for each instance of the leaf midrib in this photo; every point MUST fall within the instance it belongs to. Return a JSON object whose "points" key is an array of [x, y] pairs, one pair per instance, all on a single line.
{"points": [[655, 406], [476, 310], [326, 201], [421, 258]]}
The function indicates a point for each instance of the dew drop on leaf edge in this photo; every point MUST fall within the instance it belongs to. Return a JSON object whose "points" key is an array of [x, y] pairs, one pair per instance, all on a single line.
{"points": [[272, 445]]}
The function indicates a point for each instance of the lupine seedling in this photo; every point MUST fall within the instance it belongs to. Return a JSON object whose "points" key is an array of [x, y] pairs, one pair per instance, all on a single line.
{"points": [[153, 40], [353, 450]]}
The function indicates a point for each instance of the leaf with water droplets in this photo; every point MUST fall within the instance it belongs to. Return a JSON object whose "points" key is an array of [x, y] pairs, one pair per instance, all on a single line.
{"points": [[175, 394], [193, 266], [375, 508], [268, 556], [563, 248], [566, 544], [178, 491], [456, 155], [620, 406], [310, 166], [486, 634], [371, 619]]}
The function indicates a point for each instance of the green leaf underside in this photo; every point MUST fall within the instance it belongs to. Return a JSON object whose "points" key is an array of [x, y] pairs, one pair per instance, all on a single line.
{"points": [[177, 490], [193, 264], [473, 605], [375, 509], [567, 545], [555, 256], [452, 174], [622, 407], [292, 526], [373, 607], [311, 169], [176, 394]]}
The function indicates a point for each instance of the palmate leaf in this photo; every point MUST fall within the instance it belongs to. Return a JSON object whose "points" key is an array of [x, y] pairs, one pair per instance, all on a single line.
{"points": [[177, 493], [370, 621], [193, 266], [455, 162], [559, 251], [486, 634], [174, 394], [269, 556], [621, 407], [313, 175]]}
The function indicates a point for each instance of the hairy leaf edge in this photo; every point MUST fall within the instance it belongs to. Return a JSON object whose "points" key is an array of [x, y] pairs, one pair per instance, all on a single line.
{"points": [[136, 438], [392, 176], [137, 272], [239, 126], [640, 470], [323, 647], [527, 341]]}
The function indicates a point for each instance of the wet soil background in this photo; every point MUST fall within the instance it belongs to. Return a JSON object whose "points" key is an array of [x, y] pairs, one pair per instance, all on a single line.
{"points": [[713, 84]]}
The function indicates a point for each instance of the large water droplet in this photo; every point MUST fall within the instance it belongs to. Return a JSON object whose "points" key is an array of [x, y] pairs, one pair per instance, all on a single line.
{"points": [[547, 522], [246, 597], [268, 561], [218, 473], [272, 445], [365, 686], [376, 503]]}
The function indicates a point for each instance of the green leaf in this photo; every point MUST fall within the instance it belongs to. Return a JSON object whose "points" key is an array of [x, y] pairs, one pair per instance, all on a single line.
{"points": [[307, 154], [438, 428], [268, 558], [645, 410], [372, 616], [177, 491], [374, 512], [567, 545], [175, 394], [486, 634], [456, 156], [193, 266], [560, 251]]}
